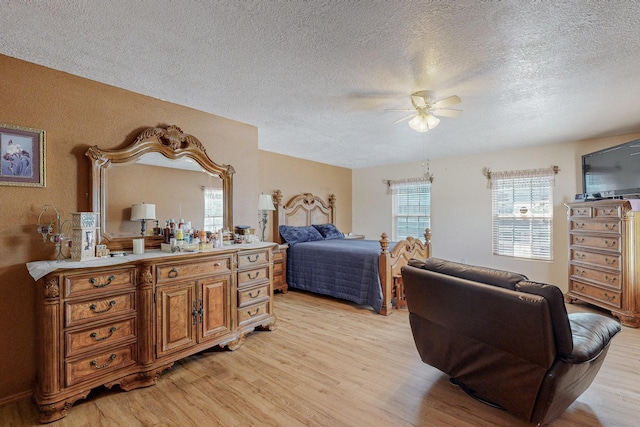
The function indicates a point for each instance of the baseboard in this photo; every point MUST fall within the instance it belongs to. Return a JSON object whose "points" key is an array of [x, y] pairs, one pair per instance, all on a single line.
{"points": [[16, 397]]}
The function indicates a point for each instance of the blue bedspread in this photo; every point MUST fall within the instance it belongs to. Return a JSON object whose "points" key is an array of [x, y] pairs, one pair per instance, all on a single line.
{"points": [[342, 268]]}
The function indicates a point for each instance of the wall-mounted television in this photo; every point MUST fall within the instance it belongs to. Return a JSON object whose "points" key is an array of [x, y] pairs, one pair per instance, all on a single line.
{"points": [[613, 172]]}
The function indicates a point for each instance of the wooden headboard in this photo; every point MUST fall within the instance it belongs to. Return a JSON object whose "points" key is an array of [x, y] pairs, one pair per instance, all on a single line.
{"points": [[302, 209]]}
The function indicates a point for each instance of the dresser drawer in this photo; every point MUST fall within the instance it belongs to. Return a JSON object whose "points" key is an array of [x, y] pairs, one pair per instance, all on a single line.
{"points": [[612, 226], [608, 211], [99, 364], [253, 295], [99, 308], [252, 312], [610, 243], [77, 285], [608, 279], [255, 275], [167, 273], [96, 337], [605, 296], [609, 261], [582, 211], [254, 258]]}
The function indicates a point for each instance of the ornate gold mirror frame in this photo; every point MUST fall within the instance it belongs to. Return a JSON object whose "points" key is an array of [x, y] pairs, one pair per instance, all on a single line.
{"points": [[171, 143]]}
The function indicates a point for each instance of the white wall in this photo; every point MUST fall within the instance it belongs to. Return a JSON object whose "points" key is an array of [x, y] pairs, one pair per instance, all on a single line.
{"points": [[461, 203]]}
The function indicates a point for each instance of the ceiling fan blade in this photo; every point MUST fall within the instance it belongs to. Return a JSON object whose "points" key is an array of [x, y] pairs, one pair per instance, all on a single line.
{"points": [[403, 109], [419, 101], [447, 112], [447, 102], [405, 118]]}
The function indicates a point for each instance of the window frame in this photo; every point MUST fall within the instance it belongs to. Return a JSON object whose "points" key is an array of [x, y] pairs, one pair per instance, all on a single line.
{"points": [[406, 187], [522, 214]]}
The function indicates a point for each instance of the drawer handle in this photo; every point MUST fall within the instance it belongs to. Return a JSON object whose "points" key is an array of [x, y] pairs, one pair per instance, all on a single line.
{"points": [[608, 211], [173, 273], [94, 335], [610, 261], [255, 277], [253, 314], [580, 256], [94, 362], [253, 260], [94, 307], [256, 295], [581, 288], [217, 264], [580, 272], [609, 298], [609, 279], [610, 243], [579, 224], [579, 239], [610, 226], [96, 284], [582, 212]]}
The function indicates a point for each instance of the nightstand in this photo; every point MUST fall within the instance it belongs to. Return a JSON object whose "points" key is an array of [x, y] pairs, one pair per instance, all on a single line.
{"points": [[280, 269]]}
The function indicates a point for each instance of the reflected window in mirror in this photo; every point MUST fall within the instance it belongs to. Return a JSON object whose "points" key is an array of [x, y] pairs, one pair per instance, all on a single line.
{"points": [[213, 209]]}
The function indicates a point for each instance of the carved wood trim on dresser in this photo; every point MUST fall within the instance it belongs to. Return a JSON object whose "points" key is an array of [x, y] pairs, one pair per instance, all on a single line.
{"points": [[604, 256], [124, 324]]}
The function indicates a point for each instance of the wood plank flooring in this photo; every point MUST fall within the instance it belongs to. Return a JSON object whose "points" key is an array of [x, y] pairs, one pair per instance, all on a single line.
{"points": [[331, 363]]}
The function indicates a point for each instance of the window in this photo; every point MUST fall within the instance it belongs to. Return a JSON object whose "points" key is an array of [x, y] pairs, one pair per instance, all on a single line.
{"points": [[523, 213], [213, 209], [411, 207]]}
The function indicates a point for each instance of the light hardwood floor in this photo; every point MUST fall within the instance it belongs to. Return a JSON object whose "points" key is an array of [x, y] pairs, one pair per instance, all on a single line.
{"points": [[331, 363]]}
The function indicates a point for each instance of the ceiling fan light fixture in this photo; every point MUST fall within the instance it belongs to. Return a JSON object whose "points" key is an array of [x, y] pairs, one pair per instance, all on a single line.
{"points": [[424, 122]]}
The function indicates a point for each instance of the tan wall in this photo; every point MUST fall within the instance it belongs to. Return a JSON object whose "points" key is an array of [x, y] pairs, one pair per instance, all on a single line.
{"points": [[461, 202], [78, 113], [295, 176]]}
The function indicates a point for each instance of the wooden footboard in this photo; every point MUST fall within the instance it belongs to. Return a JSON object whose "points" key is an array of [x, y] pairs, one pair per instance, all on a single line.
{"points": [[390, 263]]}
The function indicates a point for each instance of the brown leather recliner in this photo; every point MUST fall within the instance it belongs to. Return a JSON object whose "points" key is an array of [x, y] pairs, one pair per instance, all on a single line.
{"points": [[505, 340]]}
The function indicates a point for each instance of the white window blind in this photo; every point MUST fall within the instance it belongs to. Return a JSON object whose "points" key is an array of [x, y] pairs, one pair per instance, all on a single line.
{"points": [[213, 208], [411, 207], [523, 213]]}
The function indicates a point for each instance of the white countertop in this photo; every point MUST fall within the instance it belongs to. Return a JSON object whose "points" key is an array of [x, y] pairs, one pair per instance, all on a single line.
{"points": [[39, 269]]}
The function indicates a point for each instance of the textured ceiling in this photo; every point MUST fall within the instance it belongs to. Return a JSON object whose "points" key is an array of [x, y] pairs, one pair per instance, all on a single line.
{"points": [[316, 77]]}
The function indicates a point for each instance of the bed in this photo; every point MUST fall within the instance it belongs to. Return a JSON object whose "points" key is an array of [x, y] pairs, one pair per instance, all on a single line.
{"points": [[321, 260]]}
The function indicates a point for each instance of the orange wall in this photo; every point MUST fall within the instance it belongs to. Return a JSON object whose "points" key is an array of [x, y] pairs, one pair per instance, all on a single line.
{"points": [[77, 113], [297, 176]]}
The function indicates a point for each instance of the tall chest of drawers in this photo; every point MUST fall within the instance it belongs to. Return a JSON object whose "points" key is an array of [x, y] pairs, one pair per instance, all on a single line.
{"points": [[604, 256], [125, 321]]}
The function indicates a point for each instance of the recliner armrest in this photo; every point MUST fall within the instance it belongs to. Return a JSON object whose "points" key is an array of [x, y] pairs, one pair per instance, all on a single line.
{"points": [[591, 334]]}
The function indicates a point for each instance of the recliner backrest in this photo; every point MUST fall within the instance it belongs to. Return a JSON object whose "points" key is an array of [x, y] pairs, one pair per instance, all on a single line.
{"points": [[488, 276], [557, 310]]}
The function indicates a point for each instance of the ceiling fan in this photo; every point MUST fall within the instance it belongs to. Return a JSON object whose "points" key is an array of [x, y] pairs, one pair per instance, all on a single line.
{"points": [[426, 110]]}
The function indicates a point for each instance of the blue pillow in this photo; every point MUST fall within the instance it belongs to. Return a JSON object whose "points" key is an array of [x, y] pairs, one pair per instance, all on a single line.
{"points": [[293, 235], [329, 231]]}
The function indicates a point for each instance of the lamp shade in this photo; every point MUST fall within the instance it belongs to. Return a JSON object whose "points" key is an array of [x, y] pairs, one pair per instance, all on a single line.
{"points": [[265, 203], [424, 122], [143, 211]]}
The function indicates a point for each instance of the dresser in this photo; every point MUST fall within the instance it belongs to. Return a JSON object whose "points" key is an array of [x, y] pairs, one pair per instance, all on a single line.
{"points": [[124, 321], [604, 256]]}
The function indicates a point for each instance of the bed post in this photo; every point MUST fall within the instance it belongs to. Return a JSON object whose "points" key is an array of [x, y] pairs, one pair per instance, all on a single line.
{"points": [[386, 281], [278, 216], [427, 242]]}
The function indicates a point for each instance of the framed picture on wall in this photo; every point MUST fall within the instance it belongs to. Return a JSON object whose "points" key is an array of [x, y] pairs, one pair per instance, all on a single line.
{"points": [[22, 161]]}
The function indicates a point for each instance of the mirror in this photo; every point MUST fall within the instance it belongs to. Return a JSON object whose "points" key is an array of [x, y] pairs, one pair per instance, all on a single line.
{"points": [[164, 167]]}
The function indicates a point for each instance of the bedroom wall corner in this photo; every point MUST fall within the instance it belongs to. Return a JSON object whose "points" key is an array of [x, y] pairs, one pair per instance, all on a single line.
{"points": [[294, 176]]}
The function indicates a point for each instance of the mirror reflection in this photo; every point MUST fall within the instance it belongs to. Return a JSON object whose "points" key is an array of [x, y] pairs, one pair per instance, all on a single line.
{"points": [[179, 189]]}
